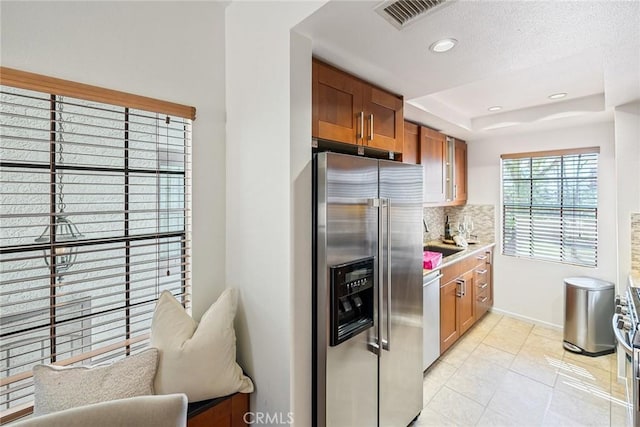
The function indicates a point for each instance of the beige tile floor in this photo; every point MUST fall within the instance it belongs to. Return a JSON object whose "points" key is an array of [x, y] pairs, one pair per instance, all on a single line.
{"points": [[506, 372]]}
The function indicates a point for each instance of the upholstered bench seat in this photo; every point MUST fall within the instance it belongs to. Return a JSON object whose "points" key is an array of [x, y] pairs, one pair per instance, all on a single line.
{"points": [[141, 411]]}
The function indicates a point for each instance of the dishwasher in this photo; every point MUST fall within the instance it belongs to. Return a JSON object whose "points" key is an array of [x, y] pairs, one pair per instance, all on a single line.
{"points": [[430, 318]]}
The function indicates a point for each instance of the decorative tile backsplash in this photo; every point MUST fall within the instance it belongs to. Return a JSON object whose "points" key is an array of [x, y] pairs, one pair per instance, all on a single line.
{"points": [[483, 217], [434, 217], [635, 242]]}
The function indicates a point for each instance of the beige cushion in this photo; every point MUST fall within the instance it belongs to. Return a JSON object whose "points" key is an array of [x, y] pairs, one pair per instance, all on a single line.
{"points": [[198, 360], [142, 411], [57, 388]]}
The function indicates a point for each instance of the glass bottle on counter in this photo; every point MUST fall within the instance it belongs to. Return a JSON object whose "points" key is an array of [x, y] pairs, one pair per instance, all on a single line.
{"points": [[447, 230]]}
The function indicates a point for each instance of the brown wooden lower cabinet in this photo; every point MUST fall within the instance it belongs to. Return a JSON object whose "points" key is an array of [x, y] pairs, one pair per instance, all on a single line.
{"points": [[224, 412], [449, 331], [457, 310], [465, 296], [482, 290], [483, 283], [466, 306]]}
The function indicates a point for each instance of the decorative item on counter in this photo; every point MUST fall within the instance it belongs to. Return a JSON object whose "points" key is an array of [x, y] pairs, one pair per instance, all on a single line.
{"points": [[460, 241], [447, 230], [431, 260]]}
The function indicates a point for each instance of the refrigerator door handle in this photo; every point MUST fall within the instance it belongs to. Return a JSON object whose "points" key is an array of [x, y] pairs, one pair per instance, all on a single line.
{"points": [[386, 344], [375, 346]]}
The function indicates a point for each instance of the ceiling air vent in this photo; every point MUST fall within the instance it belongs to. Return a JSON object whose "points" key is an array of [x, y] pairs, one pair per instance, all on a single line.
{"points": [[401, 13]]}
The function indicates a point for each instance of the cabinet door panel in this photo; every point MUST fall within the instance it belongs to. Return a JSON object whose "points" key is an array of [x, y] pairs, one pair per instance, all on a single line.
{"points": [[337, 105], [219, 415], [460, 192], [411, 143], [466, 304], [340, 113], [448, 316], [384, 124], [433, 155], [386, 110]]}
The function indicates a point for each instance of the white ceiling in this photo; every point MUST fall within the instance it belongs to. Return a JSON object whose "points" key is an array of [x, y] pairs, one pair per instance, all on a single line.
{"points": [[509, 53]]}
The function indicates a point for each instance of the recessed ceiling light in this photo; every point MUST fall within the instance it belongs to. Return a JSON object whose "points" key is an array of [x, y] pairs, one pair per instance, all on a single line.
{"points": [[558, 95], [443, 45], [495, 108]]}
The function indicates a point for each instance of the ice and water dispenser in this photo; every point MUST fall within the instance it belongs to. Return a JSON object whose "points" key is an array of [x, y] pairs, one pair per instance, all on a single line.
{"points": [[352, 299]]}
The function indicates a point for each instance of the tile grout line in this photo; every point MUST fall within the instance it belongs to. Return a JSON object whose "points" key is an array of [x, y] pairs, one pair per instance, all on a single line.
{"points": [[465, 358], [486, 408], [550, 398]]}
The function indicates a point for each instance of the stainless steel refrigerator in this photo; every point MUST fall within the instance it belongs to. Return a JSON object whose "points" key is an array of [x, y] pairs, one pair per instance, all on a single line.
{"points": [[367, 291]]}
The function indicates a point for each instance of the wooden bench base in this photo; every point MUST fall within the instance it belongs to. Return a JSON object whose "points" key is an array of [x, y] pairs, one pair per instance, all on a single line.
{"points": [[225, 411]]}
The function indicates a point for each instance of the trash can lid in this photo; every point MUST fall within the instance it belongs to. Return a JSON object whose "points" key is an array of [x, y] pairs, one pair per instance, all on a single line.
{"points": [[588, 283]]}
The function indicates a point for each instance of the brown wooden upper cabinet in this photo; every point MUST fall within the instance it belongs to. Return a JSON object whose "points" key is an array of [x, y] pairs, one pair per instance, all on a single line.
{"points": [[411, 143], [445, 164], [455, 165], [349, 110], [433, 155], [460, 172]]}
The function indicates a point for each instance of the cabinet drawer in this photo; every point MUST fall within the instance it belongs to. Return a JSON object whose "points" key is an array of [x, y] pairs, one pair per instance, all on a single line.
{"points": [[459, 268], [482, 276], [482, 259], [482, 286], [482, 301], [482, 294]]}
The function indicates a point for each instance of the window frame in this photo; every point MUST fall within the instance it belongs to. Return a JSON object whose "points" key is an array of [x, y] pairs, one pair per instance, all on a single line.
{"points": [[560, 208], [63, 88]]}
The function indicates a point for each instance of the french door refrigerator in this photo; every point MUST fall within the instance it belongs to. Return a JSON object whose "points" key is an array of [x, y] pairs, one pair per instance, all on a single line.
{"points": [[367, 292]]}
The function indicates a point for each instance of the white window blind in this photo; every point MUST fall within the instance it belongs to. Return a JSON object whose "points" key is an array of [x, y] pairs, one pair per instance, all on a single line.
{"points": [[550, 206], [94, 225]]}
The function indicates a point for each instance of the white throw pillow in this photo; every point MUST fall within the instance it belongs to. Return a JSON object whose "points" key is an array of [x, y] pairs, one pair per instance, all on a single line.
{"points": [[58, 387], [197, 359]]}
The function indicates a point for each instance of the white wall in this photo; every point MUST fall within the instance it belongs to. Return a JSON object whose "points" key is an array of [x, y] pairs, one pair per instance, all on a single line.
{"points": [[301, 384], [253, 217], [534, 289], [627, 130], [172, 51], [268, 150]]}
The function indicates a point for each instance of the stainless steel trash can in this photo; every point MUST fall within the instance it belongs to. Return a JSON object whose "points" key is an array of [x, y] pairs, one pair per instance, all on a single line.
{"points": [[589, 305]]}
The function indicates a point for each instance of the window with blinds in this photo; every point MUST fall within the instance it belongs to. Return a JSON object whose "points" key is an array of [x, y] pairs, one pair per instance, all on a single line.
{"points": [[94, 225], [550, 206]]}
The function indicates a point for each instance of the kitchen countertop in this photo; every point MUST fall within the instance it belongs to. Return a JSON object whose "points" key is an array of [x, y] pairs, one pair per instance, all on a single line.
{"points": [[470, 250]]}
